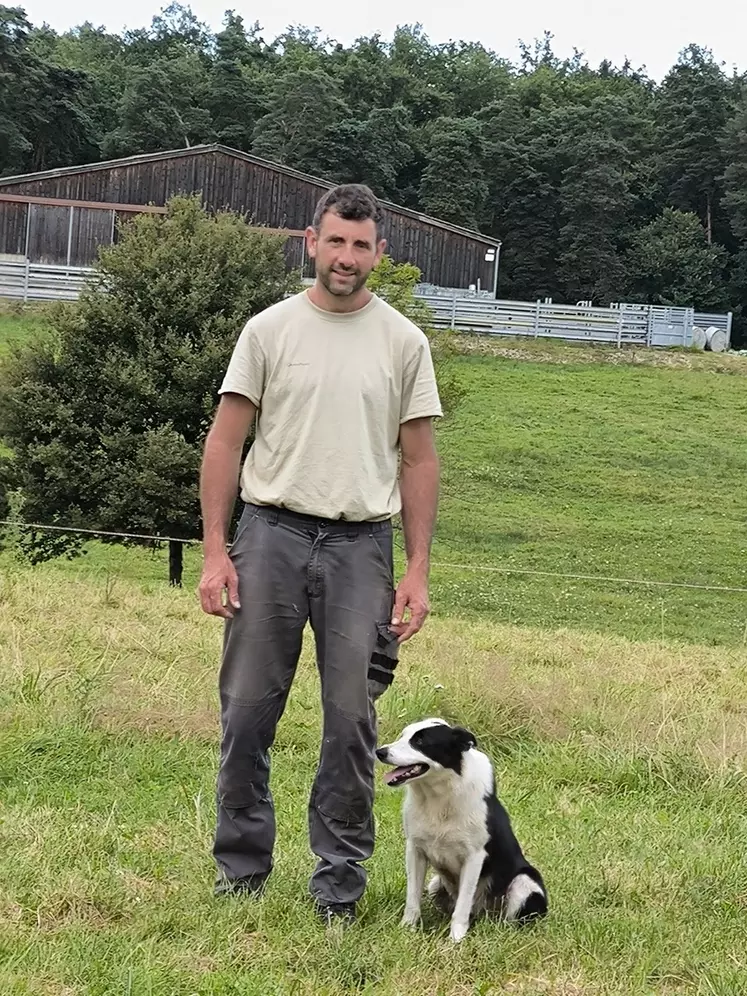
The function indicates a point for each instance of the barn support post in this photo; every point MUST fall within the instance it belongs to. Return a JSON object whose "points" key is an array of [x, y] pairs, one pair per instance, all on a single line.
{"points": [[495, 270], [70, 234], [28, 231]]}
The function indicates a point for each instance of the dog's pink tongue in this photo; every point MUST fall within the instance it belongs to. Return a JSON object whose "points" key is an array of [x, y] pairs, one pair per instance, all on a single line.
{"points": [[392, 774]]}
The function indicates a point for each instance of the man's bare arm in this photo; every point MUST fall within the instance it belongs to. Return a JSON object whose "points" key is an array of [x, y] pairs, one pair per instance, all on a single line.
{"points": [[219, 475], [419, 487]]}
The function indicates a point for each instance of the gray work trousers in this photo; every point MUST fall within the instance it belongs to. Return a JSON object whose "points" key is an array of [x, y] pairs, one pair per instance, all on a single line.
{"points": [[339, 577]]}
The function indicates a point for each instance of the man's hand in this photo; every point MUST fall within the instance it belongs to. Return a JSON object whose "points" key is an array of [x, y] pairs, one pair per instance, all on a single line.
{"points": [[219, 575], [411, 597]]}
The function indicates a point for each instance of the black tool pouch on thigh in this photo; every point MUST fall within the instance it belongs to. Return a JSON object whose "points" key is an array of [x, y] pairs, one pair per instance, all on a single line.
{"points": [[384, 660]]}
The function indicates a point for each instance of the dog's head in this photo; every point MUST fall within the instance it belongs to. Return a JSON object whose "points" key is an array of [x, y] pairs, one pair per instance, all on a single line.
{"points": [[430, 745]]}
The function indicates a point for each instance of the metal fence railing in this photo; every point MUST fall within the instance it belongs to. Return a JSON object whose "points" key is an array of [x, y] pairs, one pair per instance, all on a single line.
{"points": [[620, 324], [39, 282], [463, 310]]}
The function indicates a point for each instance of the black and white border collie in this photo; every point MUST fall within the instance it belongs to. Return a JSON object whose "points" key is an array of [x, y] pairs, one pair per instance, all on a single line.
{"points": [[454, 822]]}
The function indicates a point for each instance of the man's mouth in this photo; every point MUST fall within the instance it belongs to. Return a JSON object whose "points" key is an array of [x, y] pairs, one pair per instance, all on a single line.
{"points": [[402, 774]]}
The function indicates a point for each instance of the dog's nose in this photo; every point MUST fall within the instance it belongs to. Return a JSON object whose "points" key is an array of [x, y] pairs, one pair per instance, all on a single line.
{"points": [[381, 753]]}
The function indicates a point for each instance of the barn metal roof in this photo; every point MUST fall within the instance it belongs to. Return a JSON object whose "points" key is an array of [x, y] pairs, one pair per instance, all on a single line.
{"points": [[247, 157]]}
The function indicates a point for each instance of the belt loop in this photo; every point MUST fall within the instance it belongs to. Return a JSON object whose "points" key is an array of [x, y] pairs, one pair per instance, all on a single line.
{"points": [[272, 516]]}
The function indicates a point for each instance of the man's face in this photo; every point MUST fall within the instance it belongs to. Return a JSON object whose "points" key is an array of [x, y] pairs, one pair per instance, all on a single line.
{"points": [[345, 252]]}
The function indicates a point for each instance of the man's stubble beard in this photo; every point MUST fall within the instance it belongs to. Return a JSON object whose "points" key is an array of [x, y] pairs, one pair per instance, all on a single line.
{"points": [[343, 290]]}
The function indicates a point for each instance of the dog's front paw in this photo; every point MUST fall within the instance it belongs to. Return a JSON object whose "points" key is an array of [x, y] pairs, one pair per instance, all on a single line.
{"points": [[411, 918], [458, 931]]}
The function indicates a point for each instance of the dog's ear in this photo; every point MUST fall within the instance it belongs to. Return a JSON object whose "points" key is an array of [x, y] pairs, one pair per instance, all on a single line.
{"points": [[464, 738]]}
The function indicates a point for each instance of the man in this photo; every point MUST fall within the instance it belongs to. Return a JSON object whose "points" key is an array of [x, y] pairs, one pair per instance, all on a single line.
{"points": [[344, 390]]}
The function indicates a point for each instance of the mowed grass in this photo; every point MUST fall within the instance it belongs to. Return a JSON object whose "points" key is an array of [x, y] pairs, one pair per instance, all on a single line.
{"points": [[19, 323], [611, 469], [620, 762]]}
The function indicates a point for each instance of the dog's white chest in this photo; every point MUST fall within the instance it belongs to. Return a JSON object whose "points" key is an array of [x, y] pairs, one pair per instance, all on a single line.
{"points": [[446, 831]]}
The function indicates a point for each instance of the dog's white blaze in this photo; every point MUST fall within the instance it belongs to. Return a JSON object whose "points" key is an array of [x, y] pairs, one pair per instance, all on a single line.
{"points": [[520, 889]]}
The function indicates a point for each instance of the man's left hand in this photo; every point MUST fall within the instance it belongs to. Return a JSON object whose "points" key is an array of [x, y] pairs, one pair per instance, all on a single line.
{"points": [[411, 605]]}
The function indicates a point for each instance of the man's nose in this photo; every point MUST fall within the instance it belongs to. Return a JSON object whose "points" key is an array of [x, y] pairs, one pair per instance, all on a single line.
{"points": [[345, 258]]}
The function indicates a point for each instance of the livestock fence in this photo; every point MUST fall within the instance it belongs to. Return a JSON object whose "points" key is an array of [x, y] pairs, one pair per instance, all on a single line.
{"points": [[619, 324], [464, 311]]}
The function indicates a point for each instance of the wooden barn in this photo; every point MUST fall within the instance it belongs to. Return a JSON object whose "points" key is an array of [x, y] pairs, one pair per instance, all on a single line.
{"points": [[61, 216]]}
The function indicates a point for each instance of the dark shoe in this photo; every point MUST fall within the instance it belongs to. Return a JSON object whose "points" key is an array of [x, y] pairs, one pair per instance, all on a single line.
{"points": [[334, 913], [250, 885]]}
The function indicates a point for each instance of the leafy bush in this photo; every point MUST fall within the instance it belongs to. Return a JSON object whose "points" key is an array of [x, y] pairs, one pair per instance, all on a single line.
{"points": [[106, 415]]}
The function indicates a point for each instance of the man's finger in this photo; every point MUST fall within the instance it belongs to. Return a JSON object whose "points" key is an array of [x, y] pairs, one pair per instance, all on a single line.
{"points": [[410, 630], [233, 591], [400, 604], [415, 623], [212, 601]]}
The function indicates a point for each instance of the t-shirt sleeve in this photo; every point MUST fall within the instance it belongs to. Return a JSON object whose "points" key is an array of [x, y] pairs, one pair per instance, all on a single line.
{"points": [[420, 391], [246, 368]]}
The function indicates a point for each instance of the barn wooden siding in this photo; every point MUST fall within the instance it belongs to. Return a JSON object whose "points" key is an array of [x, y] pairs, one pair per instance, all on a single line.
{"points": [[265, 193]]}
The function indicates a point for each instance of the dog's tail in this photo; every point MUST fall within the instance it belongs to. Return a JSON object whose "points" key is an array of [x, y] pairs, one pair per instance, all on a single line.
{"points": [[526, 897]]}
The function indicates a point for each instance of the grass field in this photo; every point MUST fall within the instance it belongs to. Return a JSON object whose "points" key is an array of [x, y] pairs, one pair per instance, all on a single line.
{"points": [[18, 322], [630, 799], [615, 713]]}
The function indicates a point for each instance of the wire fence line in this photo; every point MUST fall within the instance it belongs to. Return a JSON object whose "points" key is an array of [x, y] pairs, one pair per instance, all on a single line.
{"points": [[94, 532], [449, 565]]}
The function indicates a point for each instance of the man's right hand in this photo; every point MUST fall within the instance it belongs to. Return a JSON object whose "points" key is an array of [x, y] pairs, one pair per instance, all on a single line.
{"points": [[219, 575]]}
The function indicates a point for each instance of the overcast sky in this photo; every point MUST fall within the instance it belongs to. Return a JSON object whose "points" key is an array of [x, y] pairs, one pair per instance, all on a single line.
{"points": [[648, 32]]}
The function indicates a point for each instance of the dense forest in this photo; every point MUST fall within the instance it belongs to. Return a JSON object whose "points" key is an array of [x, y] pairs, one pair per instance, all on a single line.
{"points": [[602, 183]]}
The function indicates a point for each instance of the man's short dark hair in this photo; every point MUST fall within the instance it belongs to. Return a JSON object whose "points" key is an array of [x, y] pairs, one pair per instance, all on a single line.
{"points": [[352, 201]]}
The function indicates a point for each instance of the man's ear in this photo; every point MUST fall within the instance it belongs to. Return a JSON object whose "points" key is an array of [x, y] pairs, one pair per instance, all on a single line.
{"points": [[464, 738], [312, 237]]}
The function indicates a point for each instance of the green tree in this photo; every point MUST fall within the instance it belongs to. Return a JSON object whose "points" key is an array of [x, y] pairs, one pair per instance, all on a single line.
{"points": [[161, 108], [595, 204], [453, 185], [692, 111], [524, 173], [106, 417], [735, 174], [237, 84], [306, 107], [672, 263], [43, 116]]}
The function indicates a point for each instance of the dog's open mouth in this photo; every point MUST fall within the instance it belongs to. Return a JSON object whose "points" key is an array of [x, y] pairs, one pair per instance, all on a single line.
{"points": [[397, 776]]}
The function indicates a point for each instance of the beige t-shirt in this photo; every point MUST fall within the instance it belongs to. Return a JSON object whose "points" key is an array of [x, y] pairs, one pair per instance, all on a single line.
{"points": [[332, 391]]}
